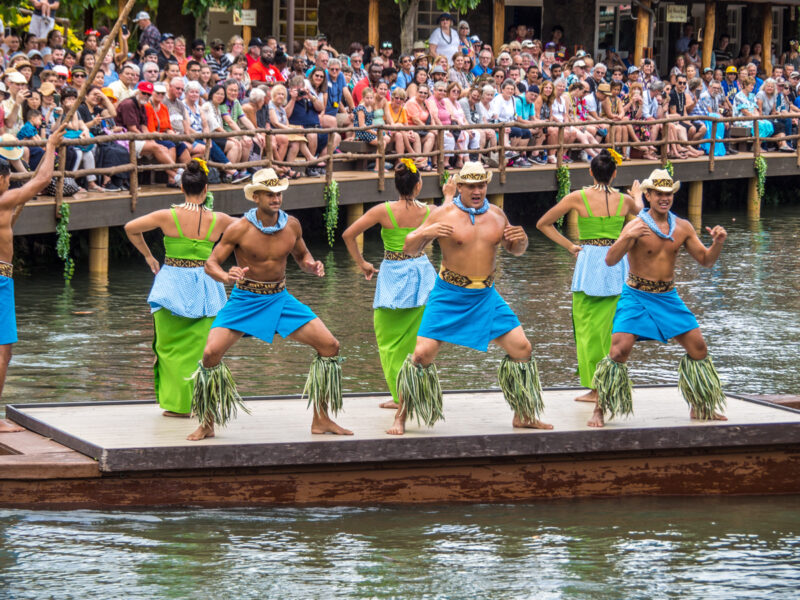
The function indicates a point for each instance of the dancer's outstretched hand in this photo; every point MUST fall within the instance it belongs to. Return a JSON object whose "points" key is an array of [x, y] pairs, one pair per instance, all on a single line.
{"points": [[152, 262], [514, 233], [368, 269], [450, 189], [237, 273], [718, 234]]}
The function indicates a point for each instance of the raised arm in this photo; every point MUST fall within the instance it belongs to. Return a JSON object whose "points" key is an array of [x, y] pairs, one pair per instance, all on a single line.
{"points": [[302, 255], [705, 256], [515, 240], [369, 219], [422, 236], [135, 231], [630, 233], [17, 197], [226, 245], [547, 223]]}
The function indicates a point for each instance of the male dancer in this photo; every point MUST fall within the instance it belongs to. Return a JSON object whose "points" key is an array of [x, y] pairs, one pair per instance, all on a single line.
{"points": [[10, 202], [650, 308], [262, 240], [464, 307]]}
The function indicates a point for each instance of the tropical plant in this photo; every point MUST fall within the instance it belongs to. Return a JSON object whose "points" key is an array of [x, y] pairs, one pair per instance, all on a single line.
{"points": [[331, 215]]}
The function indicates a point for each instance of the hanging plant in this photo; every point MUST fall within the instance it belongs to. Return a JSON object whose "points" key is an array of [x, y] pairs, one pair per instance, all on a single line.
{"points": [[564, 181], [761, 175], [669, 168], [63, 242], [331, 198], [443, 178]]}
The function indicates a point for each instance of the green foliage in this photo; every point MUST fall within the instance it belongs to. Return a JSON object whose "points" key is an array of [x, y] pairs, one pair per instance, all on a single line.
{"points": [[454, 6], [564, 180], [445, 176], [215, 399], [521, 387], [760, 166], [700, 385], [421, 392], [331, 197], [669, 168], [324, 384], [63, 242], [614, 388], [200, 8]]}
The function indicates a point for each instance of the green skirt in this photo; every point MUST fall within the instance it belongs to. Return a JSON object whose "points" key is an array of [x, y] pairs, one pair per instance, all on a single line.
{"points": [[396, 333], [592, 320], [178, 344]]}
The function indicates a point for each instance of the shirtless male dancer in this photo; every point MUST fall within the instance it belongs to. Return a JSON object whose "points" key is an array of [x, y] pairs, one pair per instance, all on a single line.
{"points": [[10, 202], [262, 240], [464, 307], [649, 307]]}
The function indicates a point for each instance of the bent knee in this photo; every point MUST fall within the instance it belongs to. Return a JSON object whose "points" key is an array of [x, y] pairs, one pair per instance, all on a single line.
{"points": [[211, 357], [329, 347]]}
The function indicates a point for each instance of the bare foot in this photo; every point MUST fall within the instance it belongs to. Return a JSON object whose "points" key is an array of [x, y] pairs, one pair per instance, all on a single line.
{"points": [[535, 424], [388, 404], [9, 427], [716, 417], [324, 424], [399, 425], [169, 413], [597, 418], [590, 396], [201, 433]]}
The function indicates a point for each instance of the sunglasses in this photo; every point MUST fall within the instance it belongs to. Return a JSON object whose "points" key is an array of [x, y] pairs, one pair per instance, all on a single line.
{"points": [[218, 47], [64, 77], [145, 94], [77, 75]]}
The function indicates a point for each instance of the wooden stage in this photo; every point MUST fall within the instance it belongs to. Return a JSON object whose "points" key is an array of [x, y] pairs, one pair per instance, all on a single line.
{"points": [[126, 454]]}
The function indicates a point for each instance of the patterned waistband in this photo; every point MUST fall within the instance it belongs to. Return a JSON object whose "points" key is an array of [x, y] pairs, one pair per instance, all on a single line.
{"points": [[391, 255], [647, 285], [6, 270], [186, 263], [454, 278], [261, 287], [597, 242]]}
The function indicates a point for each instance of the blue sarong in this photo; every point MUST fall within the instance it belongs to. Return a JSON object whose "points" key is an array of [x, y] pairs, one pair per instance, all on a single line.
{"points": [[466, 316], [652, 316], [263, 315], [8, 314]]}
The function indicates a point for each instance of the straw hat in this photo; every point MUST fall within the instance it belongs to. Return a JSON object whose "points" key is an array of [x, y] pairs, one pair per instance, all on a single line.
{"points": [[604, 88], [660, 180], [265, 180], [10, 152], [473, 172]]}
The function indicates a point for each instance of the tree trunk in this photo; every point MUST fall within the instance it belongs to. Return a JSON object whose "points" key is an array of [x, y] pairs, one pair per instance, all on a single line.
{"points": [[409, 11]]}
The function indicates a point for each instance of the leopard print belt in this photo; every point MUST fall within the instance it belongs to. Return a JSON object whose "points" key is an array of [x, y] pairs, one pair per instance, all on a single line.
{"points": [[391, 255], [597, 242], [261, 287], [186, 263], [647, 285], [6, 270], [454, 278]]}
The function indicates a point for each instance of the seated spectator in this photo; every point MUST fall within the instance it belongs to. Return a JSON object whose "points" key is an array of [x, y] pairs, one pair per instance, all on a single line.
{"points": [[234, 119], [77, 129], [682, 131], [771, 102], [502, 109], [98, 113], [470, 105], [32, 129], [198, 124], [405, 142], [303, 110], [419, 115], [158, 120], [294, 143], [420, 79], [635, 111], [364, 114], [211, 113]]}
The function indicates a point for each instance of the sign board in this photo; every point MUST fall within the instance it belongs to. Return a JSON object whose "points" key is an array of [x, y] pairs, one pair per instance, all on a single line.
{"points": [[246, 17], [677, 13]]}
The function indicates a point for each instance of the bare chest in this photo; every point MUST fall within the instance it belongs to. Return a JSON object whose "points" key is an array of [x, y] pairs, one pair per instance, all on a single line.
{"points": [[256, 247]]}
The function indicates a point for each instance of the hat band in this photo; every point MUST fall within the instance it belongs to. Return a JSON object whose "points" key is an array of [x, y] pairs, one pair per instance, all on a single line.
{"points": [[662, 183], [474, 176]]}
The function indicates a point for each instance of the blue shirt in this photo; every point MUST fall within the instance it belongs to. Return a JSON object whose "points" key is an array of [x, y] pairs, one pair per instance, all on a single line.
{"points": [[335, 89], [27, 131], [730, 89], [525, 109], [403, 80], [478, 70]]}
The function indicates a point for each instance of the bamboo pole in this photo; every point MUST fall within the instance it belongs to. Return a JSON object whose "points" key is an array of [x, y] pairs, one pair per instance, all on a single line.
{"points": [[642, 31], [374, 24], [499, 28], [709, 32], [133, 182], [560, 146], [501, 154], [381, 164], [766, 38], [440, 149]]}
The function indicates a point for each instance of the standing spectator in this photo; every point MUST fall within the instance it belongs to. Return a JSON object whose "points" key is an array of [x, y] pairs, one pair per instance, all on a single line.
{"points": [[444, 41], [43, 18], [166, 53], [149, 36], [722, 53], [218, 60], [406, 73]]}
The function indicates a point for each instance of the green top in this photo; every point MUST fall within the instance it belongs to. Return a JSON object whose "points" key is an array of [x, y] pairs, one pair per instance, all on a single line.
{"points": [[187, 248], [592, 228], [395, 237]]}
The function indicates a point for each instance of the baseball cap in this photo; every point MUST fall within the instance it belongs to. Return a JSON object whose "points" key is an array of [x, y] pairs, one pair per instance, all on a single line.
{"points": [[794, 74], [61, 70], [256, 41], [33, 53], [78, 71], [731, 69], [708, 70], [159, 88], [145, 86], [533, 88], [474, 39], [549, 46], [217, 42], [581, 53], [150, 51], [418, 45], [633, 69], [167, 36], [527, 44], [142, 14]]}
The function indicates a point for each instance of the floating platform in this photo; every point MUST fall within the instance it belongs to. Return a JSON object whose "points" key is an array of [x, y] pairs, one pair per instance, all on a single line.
{"points": [[101, 454]]}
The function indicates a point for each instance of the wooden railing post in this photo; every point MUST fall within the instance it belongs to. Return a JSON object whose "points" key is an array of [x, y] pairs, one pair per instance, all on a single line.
{"points": [[664, 145], [440, 149], [712, 145], [501, 153], [62, 155], [381, 160], [133, 181], [757, 142], [560, 149], [268, 149]]}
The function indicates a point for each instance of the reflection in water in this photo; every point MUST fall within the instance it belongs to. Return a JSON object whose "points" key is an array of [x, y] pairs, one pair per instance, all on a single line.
{"points": [[640, 549]]}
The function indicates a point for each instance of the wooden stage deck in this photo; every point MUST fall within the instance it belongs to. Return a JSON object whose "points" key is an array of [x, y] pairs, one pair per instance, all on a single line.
{"points": [[127, 454], [113, 209]]}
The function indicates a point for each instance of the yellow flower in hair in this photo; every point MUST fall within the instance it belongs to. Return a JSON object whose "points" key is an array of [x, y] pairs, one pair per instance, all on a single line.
{"points": [[202, 164], [616, 156], [410, 164]]}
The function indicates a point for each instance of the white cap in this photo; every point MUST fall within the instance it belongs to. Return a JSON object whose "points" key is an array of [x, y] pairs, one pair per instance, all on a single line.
{"points": [[142, 15], [579, 63], [60, 70], [159, 88]]}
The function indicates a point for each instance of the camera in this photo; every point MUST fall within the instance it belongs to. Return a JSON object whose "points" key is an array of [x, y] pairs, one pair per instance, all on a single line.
{"points": [[124, 30], [301, 93]]}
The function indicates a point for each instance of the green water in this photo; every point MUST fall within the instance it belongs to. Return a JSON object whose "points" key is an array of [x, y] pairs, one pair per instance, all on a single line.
{"points": [[748, 548]]}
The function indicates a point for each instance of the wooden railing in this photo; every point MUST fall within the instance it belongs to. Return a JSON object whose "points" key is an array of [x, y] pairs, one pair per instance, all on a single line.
{"points": [[380, 156]]}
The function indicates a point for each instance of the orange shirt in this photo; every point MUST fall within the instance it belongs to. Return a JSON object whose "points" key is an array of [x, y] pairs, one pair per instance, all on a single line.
{"points": [[158, 121], [399, 118]]}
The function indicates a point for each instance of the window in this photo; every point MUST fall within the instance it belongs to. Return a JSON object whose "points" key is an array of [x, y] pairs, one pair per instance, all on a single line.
{"points": [[427, 19], [306, 19]]}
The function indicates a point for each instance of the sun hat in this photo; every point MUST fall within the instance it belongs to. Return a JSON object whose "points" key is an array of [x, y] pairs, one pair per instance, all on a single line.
{"points": [[660, 180], [141, 15], [47, 88], [14, 76], [159, 88], [731, 69], [443, 16], [110, 94], [604, 88], [33, 53], [265, 180], [418, 45], [579, 63], [437, 69], [10, 152], [473, 172], [528, 44]]}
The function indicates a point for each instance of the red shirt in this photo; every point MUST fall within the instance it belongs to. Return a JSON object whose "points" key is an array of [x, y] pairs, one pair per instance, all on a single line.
{"points": [[259, 72], [158, 121]]}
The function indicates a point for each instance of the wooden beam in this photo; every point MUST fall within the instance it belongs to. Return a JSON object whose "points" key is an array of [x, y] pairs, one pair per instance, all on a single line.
{"points": [[696, 204], [642, 31], [374, 30], [290, 27], [499, 32], [709, 32], [246, 29], [766, 38]]}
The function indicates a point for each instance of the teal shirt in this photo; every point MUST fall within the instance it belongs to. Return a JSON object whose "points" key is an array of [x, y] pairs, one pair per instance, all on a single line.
{"points": [[525, 109]]}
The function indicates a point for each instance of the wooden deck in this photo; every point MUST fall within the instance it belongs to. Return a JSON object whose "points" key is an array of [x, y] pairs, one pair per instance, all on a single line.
{"points": [[127, 454], [113, 209]]}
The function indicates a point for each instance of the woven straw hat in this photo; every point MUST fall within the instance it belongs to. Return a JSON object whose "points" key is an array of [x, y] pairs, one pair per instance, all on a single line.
{"points": [[10, 152], [473, 172], [265, 180], [661, 180]]}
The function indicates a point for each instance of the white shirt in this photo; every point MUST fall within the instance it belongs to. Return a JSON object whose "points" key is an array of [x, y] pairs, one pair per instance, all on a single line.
{"points": [[212, 116], [443, 46], [504, 111]]}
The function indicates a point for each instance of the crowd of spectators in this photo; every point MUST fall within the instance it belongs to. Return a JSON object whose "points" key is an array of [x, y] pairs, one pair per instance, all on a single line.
{"points": [[173, 85]]}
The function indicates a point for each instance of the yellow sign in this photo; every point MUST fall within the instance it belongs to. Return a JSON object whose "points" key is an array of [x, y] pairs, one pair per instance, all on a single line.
{"points": [[245, 17], [677, 13]]}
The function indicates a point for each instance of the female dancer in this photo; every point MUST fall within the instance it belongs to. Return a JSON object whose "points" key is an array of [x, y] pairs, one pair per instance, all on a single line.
{"points": [[183, 300], [404, 282], [595, 286]]}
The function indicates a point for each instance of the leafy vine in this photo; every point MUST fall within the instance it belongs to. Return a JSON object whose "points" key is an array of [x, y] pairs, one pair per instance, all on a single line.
{"points": [[63, 242], [761, 175], [443, 178], [331, 197], [564, 181], [669, 168]]}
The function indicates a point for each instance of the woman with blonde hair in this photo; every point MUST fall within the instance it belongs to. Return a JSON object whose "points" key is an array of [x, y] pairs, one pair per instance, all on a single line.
{"points": [[295, 142], [409, 141], [235, 48]]}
